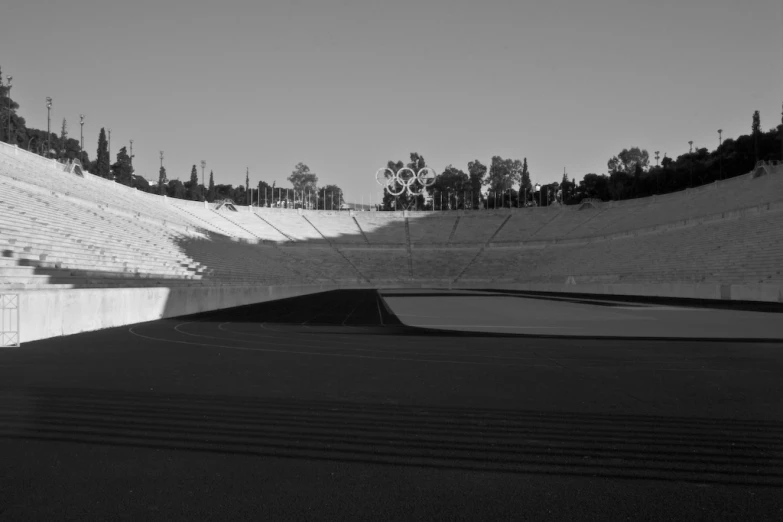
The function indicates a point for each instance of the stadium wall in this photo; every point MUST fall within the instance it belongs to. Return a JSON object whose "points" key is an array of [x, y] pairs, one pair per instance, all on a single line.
{"points": [[51, 313]]}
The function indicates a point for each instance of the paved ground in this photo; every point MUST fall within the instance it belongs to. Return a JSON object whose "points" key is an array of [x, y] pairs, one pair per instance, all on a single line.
{"points": [[547, 315], [326, 407]]}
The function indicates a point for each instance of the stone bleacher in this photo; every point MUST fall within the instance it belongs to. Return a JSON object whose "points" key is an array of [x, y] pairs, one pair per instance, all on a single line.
{"points": [[290, 223], [478, 228], [382, 230], [61, 230], [433, 229], [253, 224], [732, 251], [336, 227]]}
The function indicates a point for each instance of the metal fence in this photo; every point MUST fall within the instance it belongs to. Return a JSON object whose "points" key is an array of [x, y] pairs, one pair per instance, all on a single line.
{"points": [[9, 320]]}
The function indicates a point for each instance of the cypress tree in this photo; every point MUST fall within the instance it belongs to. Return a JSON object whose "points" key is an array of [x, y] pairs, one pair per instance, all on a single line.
{"points": [[162, 181], [193, 188], [756, 131], [102, 167], [64, 137], [211, 193]]}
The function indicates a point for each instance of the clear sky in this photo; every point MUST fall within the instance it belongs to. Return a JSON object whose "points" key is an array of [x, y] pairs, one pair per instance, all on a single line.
{"points": [[345, 86]]}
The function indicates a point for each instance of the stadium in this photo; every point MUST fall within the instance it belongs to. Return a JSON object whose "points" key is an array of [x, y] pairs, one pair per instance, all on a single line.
{"points": [[678, 284], [572, 310], [115, 256]]}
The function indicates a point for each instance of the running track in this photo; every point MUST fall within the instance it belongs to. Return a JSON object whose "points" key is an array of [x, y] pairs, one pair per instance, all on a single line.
{"points": [[327, 407]]}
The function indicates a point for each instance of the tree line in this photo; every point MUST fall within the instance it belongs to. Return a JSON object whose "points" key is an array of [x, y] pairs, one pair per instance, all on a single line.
{"points": [[505, 182], [630, 174]]}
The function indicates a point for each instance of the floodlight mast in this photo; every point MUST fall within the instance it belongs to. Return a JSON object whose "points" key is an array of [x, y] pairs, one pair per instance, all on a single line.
{"points": [[720, 154], [48, 125], [203, 166], [81, 138], [690, 157], [9, 108]]}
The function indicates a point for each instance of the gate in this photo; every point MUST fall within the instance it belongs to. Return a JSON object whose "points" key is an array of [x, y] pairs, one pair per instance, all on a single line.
{"points": [[9, 320]]}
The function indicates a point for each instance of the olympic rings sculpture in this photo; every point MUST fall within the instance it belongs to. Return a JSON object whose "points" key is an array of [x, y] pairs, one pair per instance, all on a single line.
{"points": [[405, 180]]}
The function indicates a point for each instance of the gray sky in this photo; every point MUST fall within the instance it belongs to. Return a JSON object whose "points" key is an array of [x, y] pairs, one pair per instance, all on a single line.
{"points": [[345, 86]]}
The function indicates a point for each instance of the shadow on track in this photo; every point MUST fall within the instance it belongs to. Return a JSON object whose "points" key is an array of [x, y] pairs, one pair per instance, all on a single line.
{"points": [[705, 451]]}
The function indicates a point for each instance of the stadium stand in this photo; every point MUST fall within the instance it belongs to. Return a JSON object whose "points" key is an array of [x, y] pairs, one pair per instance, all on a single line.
{"points": [[380, 265], [442, 264], [252, 223], [381, 229], [431, 229], [528, 223], [290, 223], [478, 227], [65, 236], [336, 227]]}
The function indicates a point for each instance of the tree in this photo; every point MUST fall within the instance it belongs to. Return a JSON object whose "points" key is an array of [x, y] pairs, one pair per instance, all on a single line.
{"points": [[451, 189], [63, 138], [177, 190], [102, 167], [141, 183], [567, 188], [503, 175], [302, 179], [477, 172], [594, 186], [405, 200], [162, 181], [247, 185], [265, 194], [626, 161], [18, 134], [525, 184], [192, 186], [334, 197], [211, 190], [780, 134], [755, 131], [122, 170]]}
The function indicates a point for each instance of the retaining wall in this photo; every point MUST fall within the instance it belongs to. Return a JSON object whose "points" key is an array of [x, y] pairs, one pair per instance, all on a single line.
{"points": [[51, 313]]}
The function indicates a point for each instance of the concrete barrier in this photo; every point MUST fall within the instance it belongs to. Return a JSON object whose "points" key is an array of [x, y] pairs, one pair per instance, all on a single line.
{"points": [[52, 313]]}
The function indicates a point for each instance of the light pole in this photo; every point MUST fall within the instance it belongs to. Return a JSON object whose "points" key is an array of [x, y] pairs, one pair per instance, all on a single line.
{"points": [[690, 162], [109, 146], [658, 176], [131, 154], [203, 166], [9, 108], [720, 153], [538, 189], [48, 124], [81, 138], [160, 184]]}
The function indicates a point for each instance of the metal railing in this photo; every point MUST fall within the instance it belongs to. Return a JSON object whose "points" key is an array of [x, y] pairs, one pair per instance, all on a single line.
{"points": [[9, 321]]}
